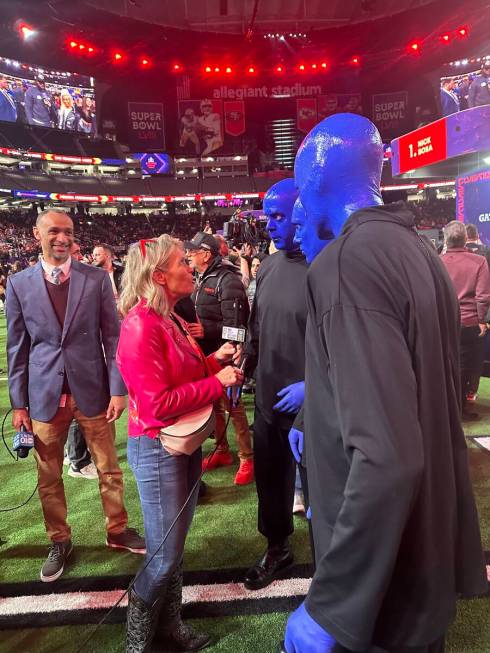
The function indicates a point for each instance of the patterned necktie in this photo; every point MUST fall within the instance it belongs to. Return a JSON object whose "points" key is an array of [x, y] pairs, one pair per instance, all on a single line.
{"points": [[55, 275]]}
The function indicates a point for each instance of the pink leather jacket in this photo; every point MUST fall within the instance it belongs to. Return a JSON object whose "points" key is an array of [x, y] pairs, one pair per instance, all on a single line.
{"points": [[163, 373]]}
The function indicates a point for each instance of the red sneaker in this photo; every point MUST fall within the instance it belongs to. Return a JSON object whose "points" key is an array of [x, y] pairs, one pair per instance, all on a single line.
{"points": [[220, 459], [245, 473]]}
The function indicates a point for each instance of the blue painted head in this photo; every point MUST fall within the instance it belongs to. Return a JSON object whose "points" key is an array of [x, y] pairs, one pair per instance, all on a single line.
{"points": [[337, 171], [278, 208], [306, 238]]}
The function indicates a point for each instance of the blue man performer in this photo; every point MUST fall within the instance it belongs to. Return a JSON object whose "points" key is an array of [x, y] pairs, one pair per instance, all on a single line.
{"points": [[276, 348], [394, 520]]}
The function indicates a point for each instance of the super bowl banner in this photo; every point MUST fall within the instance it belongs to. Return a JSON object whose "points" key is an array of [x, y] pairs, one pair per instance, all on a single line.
{"points": [[390, 113], [146, 128], [473, 201]]}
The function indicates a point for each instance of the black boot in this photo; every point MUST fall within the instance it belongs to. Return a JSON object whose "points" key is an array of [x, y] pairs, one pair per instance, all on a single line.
{"points": [[172, 633], [141, 623], [271, 566]]}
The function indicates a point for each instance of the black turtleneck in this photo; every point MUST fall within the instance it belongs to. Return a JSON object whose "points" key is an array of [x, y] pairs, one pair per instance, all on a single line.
{"points": [[276, 339]]}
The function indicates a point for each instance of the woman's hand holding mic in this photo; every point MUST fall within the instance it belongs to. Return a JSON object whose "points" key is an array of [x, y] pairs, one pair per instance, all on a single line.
{"points": [[230, 376], [226, 353]]}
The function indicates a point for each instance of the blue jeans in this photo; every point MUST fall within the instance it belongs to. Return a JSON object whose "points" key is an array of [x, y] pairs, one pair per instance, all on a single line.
{"points": [[164, 482]]}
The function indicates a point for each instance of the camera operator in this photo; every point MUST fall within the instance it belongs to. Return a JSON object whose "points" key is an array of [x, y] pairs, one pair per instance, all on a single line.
{"points": [[218, 290]]}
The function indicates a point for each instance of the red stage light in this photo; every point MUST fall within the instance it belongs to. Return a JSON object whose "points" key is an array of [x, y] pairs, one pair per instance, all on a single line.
{"points": [[324, 65], [355, 61], [26, 30], [301, 66], [73, 44], [145, 62], [207, 69], [228, 70], [414, 47], [251, 70], [117, 56], [177, 68], [81, 46], [90, 49], [217, 69], [463, 31], [279, 69], [445, 38], [314, 66]]}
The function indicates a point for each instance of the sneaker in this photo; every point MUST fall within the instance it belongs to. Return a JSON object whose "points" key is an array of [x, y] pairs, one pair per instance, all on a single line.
{"points": [[129, 539], [245, 473], [66, 461], [220, 459], [472, 397], [89, 472], [59, 553], [299, 503]]}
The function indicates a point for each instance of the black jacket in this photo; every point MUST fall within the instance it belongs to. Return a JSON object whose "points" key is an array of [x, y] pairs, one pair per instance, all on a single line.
{"points": [[276, 333], [393, 514], [218, 292]]}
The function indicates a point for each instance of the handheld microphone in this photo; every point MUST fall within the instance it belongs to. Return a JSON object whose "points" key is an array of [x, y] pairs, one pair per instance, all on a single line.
{"points": [[237, 334], [23, 442]]}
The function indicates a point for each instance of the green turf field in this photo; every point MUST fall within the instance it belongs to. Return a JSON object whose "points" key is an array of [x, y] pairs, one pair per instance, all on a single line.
{"points": [[223, 536]]}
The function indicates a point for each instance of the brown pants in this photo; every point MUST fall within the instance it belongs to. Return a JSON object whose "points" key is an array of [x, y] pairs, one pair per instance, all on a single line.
{"points": [[49, 446], [240, 423]]}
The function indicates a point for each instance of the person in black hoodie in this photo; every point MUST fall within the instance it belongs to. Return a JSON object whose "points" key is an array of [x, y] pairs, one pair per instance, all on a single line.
{"points": [[394, 520], [220, 300]]}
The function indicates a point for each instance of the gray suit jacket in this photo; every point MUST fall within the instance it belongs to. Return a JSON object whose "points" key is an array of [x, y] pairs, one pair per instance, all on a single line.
{"points": [[39, 351]]}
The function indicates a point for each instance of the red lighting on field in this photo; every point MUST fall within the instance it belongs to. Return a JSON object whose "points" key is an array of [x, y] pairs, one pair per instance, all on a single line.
{"points": [[26, 31], [228, 70], [414, 47], [207, 69], [301, 66], [251, 70], [463, 31], [355, 61]]}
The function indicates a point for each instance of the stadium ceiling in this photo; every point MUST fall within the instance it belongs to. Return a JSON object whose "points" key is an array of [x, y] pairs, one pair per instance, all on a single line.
{"points": [[264, 16]]}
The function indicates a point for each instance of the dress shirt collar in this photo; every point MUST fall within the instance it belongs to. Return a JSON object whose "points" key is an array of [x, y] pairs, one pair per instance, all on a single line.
{"points": [[65, 269]]}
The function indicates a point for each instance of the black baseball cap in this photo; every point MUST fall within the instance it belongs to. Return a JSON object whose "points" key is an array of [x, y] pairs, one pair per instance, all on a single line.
{"points": [[203, 241]]}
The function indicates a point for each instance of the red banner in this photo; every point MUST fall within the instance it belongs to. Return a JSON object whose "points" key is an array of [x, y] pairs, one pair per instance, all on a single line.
{"points": [[235, 117], [306, 115]]}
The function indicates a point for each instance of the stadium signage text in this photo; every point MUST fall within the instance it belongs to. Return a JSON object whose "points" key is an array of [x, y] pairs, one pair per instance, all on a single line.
{"points": [[244, 92]]}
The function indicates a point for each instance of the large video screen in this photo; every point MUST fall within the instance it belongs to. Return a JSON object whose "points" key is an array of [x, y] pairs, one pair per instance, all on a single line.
{"points": [[47, 98]]}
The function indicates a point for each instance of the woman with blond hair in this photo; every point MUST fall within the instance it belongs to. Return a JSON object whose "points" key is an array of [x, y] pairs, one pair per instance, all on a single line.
{"points": [[66, 112], [169, 382]]}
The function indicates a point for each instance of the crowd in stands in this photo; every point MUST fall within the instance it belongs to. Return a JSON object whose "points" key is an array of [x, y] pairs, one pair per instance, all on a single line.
{"points": [[17, 244]]}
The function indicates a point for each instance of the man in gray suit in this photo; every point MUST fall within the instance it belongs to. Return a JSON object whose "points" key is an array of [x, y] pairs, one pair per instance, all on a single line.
{"points": [[62, 334]]}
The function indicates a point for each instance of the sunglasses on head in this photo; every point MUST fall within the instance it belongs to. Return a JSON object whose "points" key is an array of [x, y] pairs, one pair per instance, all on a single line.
{"points": [[143, 244]]}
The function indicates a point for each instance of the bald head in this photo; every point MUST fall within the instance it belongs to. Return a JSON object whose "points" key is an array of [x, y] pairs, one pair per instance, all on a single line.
{"points": [[54, 231]]}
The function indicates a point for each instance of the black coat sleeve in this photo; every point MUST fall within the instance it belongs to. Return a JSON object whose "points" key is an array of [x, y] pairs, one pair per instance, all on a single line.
{"points": [[231, 290], [375, 393]]}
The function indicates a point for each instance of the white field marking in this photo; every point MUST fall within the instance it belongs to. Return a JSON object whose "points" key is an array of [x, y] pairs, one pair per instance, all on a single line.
{"points": [[215, 593]]}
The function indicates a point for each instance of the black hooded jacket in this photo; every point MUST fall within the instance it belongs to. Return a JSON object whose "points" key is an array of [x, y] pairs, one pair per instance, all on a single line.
{"points": [[395, 525]]}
